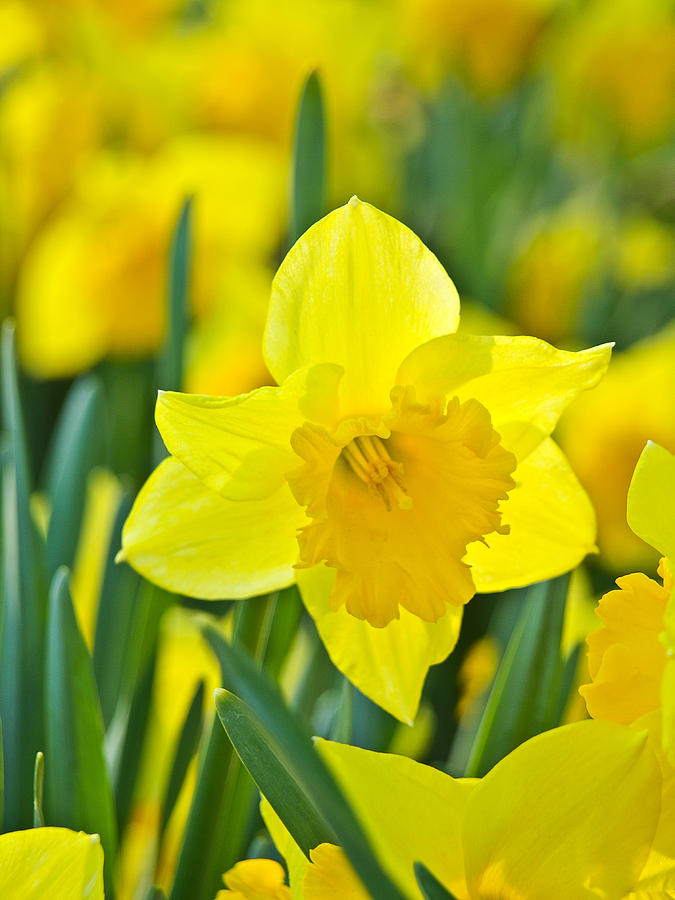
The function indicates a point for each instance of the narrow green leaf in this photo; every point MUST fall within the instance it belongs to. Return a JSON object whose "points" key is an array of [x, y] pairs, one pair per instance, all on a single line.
{"points": [[23, 611], [38, 790], [204, 852], [344, 714], [77, 446], [560, 699], [309, 159], [170, 361], [429, 885], [520, 701], [287, 741], [2, 776], [185, 750], [78, 794]]}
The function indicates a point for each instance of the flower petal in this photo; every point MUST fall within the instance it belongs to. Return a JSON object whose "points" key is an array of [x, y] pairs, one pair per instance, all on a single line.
{"points": [[651, 499], [569, 814], [524, 382], [410, 812], [552, 526], [186, 538], [51, 862], [240, 446], [330, 875], [387, 664], [361, 290]]}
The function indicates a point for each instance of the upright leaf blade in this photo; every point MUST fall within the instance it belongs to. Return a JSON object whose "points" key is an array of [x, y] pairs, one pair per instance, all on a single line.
{"points": [[23, 609], [290, 744], [523, 698], [185, 750], [308, 186], [78, 792], [78, 445]]}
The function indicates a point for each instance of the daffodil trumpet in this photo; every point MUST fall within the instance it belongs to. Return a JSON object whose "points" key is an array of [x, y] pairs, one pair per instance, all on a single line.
{"points": [[397, 469]]}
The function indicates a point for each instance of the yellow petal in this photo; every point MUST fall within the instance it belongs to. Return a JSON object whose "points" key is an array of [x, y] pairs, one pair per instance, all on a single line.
{"points": [[410, 812], [569, 814], [295, 859], [240, 446], [552, 526], [387, 664], [361, 290], [330, 875], [668, 683], [626, 659], [51, 862], [255, 879], [188, 539], [651, 499], [525, 383]]}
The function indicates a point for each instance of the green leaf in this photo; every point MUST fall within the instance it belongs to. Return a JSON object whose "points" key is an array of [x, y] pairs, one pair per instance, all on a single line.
{"points": [[344, 714], [170, 360], [309, 159], [185, 750], [78, 794], [77, 446], [429, 885], [264, 758], [155, 893], [260, 722], [38, 786], [23, 606], [523, 700]]}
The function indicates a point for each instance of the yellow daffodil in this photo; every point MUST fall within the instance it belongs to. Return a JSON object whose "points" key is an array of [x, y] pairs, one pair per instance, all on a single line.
{"points": [[572, 813], [51, 862], [634, 404], [255, 879], [632, 658], [396, 470]]}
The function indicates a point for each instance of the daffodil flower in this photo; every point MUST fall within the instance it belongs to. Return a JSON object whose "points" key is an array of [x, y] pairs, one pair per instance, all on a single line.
{"points": [[571, 814], [51, 862], [632, 658], [397, 469]]}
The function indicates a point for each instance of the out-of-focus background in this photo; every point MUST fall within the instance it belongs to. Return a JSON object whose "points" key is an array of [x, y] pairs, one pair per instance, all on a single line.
{"points": [[529, 143]]}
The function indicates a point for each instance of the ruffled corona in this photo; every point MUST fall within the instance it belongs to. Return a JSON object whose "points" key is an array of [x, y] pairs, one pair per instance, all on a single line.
{"points": [[395, 503]]}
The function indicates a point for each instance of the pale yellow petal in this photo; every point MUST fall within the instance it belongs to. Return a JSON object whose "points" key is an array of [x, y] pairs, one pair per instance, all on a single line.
{"points": [[361, 290], [568, 815], [660, 863], [330, 875], [295, 859], [53, 863], [388, 664], [240, 446], [651, 499], [411, 812], [552, 526], [188, 539], [524, 382]]}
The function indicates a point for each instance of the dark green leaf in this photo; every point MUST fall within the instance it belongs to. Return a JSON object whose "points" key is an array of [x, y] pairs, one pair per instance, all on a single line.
{"points": [[77, 446], [523, 698], [429, 885], [78, 794], [262, 713], [38, 786], [344, 714], [170, 361], [309, 159], [23, 611], [185, 750]]}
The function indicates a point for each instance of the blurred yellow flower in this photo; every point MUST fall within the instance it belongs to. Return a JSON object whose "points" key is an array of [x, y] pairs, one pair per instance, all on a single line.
{"points": [[557, 255], [95, 282], [646, 253], [367, 472], [488, 42], [255, 879], [51, 862], [605, 431], [632, 658], [547, 821], [616, 66]]}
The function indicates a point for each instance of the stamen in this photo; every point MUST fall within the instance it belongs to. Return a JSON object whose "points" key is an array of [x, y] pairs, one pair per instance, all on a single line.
{"points": [[370, 461]]}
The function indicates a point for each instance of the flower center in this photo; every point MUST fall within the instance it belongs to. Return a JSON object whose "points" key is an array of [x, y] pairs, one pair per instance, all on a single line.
{"points": [[370, 461]]}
